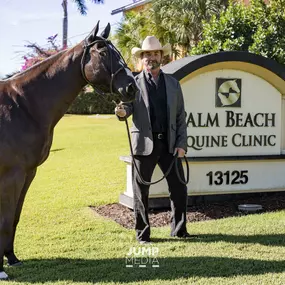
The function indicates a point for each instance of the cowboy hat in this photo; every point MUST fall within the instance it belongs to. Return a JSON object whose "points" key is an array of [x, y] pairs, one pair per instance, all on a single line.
{"points": [[151, 43]]}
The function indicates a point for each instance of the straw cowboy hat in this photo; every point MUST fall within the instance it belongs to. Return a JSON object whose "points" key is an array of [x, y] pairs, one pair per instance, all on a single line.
{"points": [[151, 43]]}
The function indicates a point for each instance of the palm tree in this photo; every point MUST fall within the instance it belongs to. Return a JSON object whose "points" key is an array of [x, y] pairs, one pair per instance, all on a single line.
{"points": [[131, 32], [176, 22], [82, 10], [182, 21]]}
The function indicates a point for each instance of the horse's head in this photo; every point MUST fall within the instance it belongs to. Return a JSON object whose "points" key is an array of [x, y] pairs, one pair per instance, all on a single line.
{"points": [[103, 65]]}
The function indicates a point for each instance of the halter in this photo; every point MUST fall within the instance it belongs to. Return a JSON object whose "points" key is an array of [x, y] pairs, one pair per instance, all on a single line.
{"points": [[108, 44]]}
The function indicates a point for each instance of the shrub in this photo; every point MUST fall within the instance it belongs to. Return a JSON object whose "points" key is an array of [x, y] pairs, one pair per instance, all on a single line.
{"points": [[257, 28], [88, 102]]}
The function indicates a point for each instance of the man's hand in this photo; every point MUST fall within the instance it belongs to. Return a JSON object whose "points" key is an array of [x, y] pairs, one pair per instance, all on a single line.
{"points": [[120, 111], [180, 151]]}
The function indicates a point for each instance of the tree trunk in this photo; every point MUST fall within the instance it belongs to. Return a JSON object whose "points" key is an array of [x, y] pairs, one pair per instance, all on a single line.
{"points": [[64, 24]]}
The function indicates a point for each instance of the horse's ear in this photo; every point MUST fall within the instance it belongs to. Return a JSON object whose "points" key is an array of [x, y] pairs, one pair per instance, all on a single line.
{"points": [[93, 34], [106, 32]]}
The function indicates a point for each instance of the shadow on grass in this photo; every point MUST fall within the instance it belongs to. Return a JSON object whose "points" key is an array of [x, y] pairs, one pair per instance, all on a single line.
{"points": [[56, 149], [114, 270], [269, 240]]}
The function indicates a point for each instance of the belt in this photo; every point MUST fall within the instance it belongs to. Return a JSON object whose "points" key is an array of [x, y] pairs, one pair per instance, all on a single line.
{"points": [[160, 136]]}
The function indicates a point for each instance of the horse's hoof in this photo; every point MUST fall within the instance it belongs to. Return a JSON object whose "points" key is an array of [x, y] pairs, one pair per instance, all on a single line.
{"points": [[14, 263], [3, 275]]}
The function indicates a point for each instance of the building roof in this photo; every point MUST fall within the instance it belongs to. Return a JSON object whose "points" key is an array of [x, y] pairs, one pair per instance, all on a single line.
{"points": [[136, 3]]}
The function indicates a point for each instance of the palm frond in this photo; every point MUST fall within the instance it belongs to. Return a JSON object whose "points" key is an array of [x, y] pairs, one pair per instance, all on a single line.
{"points": [[82, 8]]}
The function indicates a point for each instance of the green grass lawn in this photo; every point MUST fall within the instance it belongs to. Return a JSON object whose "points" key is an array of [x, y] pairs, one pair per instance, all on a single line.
{"points": [[62, 241]]}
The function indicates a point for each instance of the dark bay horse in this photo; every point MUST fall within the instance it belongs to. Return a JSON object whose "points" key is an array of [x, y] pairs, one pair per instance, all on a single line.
{"points": [[31, 104]]}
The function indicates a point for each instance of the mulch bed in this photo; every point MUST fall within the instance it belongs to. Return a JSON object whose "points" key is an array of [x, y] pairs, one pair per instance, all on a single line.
{"points": [[158, 218]]}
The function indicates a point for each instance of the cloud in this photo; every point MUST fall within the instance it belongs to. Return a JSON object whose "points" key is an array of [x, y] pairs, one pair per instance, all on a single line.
{"points": [[14, 23], [20, 18], [33, 17]]}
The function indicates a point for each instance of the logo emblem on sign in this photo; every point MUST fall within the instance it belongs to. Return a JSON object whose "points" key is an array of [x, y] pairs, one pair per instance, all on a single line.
{"points": [[228, 92]]}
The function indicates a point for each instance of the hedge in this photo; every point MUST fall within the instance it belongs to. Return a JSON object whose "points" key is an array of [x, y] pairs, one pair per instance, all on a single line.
{"points": [[92, 103]]}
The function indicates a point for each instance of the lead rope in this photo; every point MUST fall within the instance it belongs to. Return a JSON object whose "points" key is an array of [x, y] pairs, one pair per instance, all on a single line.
{"points": [[174, 161], [98, 91]]}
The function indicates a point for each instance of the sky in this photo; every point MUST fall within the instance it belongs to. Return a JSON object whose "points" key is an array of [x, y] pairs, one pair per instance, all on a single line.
{"points": [[34, 21]]}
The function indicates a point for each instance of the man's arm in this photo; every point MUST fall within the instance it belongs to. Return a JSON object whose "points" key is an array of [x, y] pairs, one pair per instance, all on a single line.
{"points": [[181, 127]]}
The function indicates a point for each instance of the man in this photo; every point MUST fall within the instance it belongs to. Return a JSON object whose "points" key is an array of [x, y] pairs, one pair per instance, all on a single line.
{"points": [[158, 133]]}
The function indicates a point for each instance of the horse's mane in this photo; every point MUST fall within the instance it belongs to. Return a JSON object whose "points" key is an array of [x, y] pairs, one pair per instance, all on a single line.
{"points": [[42, 67]]}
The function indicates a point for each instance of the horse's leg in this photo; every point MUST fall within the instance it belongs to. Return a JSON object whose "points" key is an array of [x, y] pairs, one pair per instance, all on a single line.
{"points": [[12, 181], [9, 250]]}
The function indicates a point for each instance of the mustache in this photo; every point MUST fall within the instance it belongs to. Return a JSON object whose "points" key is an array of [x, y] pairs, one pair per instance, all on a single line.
{"points": [[154, 64]]}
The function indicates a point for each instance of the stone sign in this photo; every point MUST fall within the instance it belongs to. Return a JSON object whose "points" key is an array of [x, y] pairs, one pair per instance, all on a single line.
{"points": [[235, 104]]}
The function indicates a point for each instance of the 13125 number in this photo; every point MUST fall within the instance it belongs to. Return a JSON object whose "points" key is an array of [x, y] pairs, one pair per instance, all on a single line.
{"points": [[228, 177]]}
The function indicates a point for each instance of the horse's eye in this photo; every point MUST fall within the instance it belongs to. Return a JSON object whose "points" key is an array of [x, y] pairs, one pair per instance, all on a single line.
{"points": [[100, 45], [103, 53]]}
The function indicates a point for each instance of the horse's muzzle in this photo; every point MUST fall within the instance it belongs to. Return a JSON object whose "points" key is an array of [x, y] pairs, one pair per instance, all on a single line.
{"points": [[129, 94], [132, 89]]}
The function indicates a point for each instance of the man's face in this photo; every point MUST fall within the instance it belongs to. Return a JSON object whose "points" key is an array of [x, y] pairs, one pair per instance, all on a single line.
{"points": [[151, 59]]}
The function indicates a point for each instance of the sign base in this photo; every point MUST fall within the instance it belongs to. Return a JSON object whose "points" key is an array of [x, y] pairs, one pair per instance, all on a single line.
{"points": [[164, 202]]}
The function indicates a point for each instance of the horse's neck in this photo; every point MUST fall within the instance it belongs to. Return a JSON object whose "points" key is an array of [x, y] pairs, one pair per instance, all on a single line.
{"points": [[51, 92]]}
